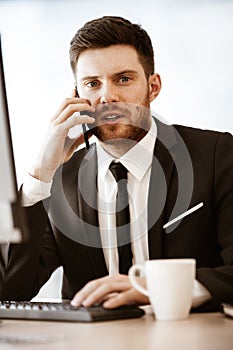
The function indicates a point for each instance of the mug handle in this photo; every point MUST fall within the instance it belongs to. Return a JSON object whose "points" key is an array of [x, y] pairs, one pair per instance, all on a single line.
{"points": [[134, 271]]}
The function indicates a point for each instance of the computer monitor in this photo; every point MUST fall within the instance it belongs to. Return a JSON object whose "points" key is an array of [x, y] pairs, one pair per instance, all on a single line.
{"points": [[12, 223]]}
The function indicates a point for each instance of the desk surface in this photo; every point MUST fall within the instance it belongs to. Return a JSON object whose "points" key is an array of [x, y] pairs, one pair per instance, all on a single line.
{"points": [[211, 331]]}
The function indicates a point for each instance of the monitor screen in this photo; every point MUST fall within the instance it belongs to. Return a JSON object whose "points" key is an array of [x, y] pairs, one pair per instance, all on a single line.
{"points": [[12, 222]]}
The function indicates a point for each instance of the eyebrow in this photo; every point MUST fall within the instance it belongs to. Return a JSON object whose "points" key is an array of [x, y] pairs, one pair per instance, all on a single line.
{"points": [[115, 75], [125, 72]]}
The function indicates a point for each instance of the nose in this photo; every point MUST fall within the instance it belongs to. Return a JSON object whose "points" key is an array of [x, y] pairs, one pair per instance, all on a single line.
{"points": [[108, 93]]}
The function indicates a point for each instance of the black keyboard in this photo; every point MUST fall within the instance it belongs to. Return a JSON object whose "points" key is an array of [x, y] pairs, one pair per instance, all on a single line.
{"points": [[51, 311]]}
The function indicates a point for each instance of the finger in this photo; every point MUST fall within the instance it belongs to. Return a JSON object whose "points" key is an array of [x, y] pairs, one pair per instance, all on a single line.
{"points": [[130, 296], [100, 289], [91, 287], [67, 102], [71, 109], [119, 299], [98, 295], [84, 292], [77, 119]]}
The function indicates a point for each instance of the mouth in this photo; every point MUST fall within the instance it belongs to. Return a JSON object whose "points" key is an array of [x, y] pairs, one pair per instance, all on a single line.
{"points": [[112, 118]]}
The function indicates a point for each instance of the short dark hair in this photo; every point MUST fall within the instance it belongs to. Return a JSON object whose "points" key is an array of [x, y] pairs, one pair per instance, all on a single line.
{"points": [[112, 30]]}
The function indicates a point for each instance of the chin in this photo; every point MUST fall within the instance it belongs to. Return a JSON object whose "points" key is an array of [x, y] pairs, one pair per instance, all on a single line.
{"points": [[115, 133]]}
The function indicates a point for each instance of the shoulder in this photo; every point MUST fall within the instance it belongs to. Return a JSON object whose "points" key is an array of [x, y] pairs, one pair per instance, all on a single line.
{"points": [[192, 135], [204, 138], [190, 132], [200, 143]]}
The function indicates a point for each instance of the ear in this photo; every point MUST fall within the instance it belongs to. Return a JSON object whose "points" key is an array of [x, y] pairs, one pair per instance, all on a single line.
{"points": [[154, 86]]}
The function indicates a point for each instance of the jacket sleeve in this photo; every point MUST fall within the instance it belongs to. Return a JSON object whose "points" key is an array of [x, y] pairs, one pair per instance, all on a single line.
{"points": [[219, 280], [30, 263]]}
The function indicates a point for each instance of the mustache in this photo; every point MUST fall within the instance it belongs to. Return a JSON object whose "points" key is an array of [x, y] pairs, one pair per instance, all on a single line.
{"points": [[108, 108], [121, 108]]}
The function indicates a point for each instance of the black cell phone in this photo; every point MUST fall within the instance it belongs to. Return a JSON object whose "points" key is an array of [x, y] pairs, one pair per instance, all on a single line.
{"points": [[84, 126], [85, 133]]}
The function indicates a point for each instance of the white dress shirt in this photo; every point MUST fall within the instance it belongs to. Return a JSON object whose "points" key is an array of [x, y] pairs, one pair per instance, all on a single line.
{"points": [[138, 161]]}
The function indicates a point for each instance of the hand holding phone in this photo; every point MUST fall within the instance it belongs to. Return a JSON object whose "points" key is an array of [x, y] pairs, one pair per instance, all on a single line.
{"points": [[58, 147]]}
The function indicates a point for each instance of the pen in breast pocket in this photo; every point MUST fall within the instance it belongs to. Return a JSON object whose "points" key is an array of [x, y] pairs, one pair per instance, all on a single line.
{"points": [[181, 216]]}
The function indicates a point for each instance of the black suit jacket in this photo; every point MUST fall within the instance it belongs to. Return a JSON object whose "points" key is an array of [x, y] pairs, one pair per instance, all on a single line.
{"points": [[189, 166]]}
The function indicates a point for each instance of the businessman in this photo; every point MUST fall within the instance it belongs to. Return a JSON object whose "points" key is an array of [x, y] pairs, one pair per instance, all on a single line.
{"points": [[99, 209]]}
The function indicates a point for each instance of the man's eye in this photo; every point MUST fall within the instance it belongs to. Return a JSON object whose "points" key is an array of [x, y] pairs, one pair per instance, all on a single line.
{"points": [[92, 84], [125, 79]]}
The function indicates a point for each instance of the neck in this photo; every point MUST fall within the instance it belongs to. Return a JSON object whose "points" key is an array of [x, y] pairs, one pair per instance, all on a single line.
{"points": [[118, 147]]}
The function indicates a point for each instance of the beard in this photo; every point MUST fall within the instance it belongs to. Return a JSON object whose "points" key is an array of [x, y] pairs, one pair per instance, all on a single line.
{"points": [[133, 128], [112, 134]]}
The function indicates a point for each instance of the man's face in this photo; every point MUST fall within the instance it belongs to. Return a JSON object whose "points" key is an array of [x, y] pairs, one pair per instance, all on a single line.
{"points": [[113, 80]]}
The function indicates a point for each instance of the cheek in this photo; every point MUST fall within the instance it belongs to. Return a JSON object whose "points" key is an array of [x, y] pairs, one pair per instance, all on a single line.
{"points": [[129, 96], [138, 95], [142, 98], [94, 101], [90, 97]]}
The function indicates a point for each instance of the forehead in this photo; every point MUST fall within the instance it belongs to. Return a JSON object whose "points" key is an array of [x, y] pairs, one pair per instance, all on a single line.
{"points": [[107, 60]]}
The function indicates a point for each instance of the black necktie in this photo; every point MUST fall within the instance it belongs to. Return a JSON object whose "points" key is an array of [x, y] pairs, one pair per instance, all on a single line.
{"points": [[122, 217]]}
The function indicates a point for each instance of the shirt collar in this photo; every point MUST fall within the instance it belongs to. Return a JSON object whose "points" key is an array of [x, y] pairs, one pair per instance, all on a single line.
{"points": [[137, 160]]}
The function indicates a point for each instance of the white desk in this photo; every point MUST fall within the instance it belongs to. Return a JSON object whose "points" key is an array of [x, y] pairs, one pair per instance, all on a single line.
{"points": [[210, 331]]}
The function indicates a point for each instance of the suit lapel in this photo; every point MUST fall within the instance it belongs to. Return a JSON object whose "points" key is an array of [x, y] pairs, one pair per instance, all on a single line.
{"points": [[88, 210], [161, 174]]}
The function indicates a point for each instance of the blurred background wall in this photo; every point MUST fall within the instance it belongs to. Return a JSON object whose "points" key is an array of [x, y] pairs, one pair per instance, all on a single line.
{"points": [[193, 54]]}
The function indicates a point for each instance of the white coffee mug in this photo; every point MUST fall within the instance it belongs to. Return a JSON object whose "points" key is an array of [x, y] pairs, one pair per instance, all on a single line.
{"points": [[169, 286]]}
